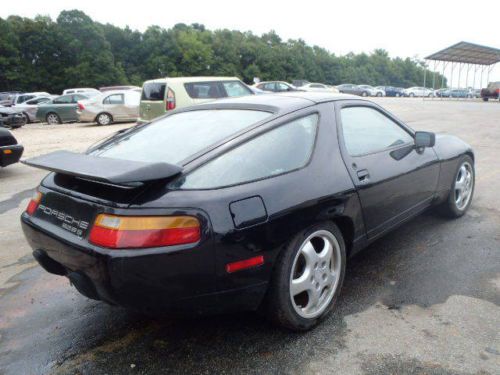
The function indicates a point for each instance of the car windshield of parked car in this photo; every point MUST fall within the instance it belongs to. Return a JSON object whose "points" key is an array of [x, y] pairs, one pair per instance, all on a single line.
{"points": [[367, 130], [176, 137], [258, 158]]}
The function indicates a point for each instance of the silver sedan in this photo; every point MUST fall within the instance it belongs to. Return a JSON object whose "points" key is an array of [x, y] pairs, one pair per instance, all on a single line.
{"points": [[109, 107]]}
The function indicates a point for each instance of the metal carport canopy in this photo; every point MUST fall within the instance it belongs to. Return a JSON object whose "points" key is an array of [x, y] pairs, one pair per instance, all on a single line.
{"points": [[467, 53]]}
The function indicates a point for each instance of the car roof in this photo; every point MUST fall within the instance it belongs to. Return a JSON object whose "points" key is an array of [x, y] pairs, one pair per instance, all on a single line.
{"points": [[276, 103], [193, 79]]}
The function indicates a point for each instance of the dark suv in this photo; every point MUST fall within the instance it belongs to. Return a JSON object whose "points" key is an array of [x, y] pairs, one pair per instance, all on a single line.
{"points": [[491, 92]]}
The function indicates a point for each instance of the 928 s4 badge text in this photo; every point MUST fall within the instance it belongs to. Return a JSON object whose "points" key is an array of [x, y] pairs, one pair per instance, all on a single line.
{"points": [[68, 222]]}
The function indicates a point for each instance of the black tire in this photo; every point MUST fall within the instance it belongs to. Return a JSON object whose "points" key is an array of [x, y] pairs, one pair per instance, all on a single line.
{"points": [[26, 116], [485, 99], [53, 118], [278, 302], [449, 207], [411, 95], [104, 119], [397, 95], [364, 93], [379, 94]]}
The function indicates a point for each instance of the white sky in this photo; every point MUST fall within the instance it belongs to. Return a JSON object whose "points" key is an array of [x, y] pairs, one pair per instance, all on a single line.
{"points": [[404, 28]]}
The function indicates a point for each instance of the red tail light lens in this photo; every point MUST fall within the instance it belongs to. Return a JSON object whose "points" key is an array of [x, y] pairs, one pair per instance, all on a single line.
{"points": [[170, 100], [81, 107], [34, 202], [125, 232]]}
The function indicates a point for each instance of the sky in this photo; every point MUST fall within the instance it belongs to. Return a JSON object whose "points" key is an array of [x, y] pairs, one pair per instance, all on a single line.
{"points": [[403, 28]]}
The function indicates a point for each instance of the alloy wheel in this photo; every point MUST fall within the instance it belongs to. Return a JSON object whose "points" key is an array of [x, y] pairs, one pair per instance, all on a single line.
{"points": [[104, 119], [52, 119], [315, 274], [464, 185]]}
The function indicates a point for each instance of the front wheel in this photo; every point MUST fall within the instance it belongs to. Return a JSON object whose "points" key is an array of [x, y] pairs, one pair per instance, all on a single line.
{"points": [[485, 99], [462, 189], [412, 95], [379, 94], [307, 278], [364, 93]]}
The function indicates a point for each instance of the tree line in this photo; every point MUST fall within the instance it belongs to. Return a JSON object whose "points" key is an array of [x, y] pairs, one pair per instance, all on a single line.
{"points": [[41, 54]]}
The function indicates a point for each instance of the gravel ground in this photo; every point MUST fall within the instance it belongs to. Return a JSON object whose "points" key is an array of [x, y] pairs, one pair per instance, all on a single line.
{"points": [[423, 300]]}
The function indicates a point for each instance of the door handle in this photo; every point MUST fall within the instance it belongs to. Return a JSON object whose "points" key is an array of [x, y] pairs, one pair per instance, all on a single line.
{"points": [[363, 175]]}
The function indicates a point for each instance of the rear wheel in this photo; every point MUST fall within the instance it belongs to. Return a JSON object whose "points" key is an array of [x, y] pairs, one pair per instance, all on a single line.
{"points": [[485, 99], [411, 95], [53, 118], [104, 119], [379, 94], [364, 93], [26, 117], [307, 278], [462, 189]]}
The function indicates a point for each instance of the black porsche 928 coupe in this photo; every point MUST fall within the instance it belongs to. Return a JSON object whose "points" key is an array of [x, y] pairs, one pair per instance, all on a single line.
{"points": [[240, 204]]}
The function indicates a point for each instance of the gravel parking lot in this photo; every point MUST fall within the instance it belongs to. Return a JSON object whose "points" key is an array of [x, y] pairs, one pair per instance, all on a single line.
{"points": [[423, 300]]}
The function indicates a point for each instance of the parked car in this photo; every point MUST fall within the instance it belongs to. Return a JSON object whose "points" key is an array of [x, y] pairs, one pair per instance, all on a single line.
{"points": [[87, 91], [391, 90], [162, 95], [119, 88], [30, 107], [23, 97], [300, 82], [461, 93], [372, 90], [443, 93], [188, 213], [110, 107], [255, 90], [318, 87], [11, 117], [349, 88], [418, 91], [275, 86], [6, 97], [491, 92], [60, 109], [10, 150]]}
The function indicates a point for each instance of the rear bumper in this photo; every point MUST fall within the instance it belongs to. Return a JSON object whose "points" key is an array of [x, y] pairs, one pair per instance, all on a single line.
{"points": [[161, 282], [14, 121], [10, 154]]}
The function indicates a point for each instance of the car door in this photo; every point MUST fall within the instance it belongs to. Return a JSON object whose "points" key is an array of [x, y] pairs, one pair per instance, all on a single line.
{"points": [[131, 105], [114, 104], [62, 106], [394, 180]]}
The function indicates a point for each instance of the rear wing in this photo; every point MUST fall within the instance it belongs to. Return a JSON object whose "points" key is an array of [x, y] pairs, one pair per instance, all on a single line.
{"points": [[102, 169]]}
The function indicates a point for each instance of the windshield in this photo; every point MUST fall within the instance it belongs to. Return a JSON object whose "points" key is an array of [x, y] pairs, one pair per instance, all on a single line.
{"points": [[176, 137]]}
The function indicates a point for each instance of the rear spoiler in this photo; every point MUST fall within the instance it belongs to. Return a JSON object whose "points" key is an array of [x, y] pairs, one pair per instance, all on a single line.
{"points": [[102, 169]]}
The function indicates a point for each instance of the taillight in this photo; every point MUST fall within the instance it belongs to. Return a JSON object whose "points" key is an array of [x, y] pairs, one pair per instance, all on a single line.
{"points": [[123, 232], [498, 91], [81, 106], [34, 202], [170, 100]]}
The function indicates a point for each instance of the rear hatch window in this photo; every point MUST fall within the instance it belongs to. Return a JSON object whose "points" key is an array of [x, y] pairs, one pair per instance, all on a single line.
{"points": [[154, 91], [179, 136], [204, 90]]}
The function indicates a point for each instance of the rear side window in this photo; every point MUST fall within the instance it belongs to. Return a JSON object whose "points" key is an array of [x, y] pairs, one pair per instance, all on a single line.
{"points": [[114, 99], [236, 89], [176, 137], [277, 151], [367, 130], [63, 99], [154, 91], [203, 90]]}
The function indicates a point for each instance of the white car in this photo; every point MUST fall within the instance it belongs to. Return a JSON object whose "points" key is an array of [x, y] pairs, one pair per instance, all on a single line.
{"points": [[30, 106], [418, 91], [372, 90], [110, 107], [21, 98], [82, 90], [318, 87]]}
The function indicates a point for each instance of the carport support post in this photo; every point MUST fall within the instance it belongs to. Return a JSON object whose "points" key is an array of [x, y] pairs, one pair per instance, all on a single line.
{"points": [[434, 75], [467, 76], [481, 82], [451, 77], [459, 75]]}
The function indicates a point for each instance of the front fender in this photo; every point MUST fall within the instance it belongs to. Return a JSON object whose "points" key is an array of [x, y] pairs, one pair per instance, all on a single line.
{"points": [[449, 150]]}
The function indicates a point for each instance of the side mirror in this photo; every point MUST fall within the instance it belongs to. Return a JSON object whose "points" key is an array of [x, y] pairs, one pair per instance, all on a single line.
{"points": [[424, 139]]}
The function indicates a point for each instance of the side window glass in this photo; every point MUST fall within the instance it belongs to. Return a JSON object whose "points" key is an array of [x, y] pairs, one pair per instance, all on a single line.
{"points": [[235, 89], [367, 130], [114, 99], [259, 157]]}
